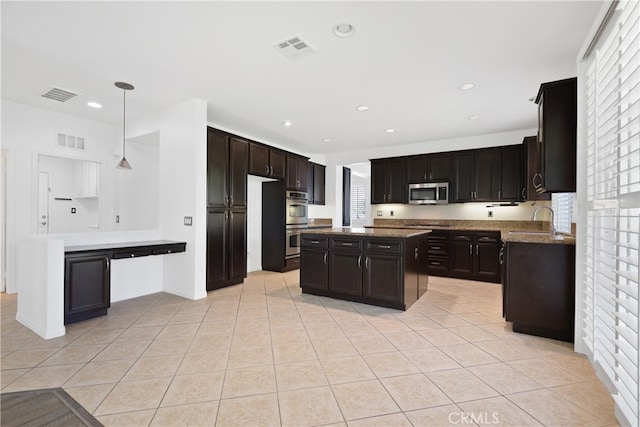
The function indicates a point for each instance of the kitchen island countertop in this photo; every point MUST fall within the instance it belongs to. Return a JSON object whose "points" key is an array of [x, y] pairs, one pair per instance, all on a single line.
{"points": [[369, 232]]}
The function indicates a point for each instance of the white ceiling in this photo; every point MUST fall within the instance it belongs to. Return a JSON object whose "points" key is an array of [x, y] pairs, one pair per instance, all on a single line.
{"points": [[405, 61]]}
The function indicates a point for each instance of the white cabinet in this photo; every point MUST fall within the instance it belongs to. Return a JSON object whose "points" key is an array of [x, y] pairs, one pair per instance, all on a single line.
{"points": [[89, 179]]}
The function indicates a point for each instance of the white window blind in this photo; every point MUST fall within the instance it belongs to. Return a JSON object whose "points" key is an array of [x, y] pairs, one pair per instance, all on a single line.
{"points": [[562, 205], [609, 201], [358, 205]]}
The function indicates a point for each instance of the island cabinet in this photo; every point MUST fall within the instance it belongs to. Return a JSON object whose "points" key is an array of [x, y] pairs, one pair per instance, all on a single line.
{"points": [[383, 271], [86, 286]]}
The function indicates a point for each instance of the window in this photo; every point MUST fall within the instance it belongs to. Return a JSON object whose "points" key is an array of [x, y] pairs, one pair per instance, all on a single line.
{"points": [[609, 205], [562, 205], [358, 206]]}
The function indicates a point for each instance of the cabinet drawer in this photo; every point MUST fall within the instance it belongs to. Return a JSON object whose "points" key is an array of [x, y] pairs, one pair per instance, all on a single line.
{"points": [[292, 263], [315, 241], [165, 251], [131, 253], [387, 246], [488, 237], [438, 264], [461, 237], [346, 243]]}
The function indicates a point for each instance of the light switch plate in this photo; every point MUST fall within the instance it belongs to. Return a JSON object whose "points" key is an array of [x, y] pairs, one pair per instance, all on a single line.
{"points": [[188, 221], [379, 213]]}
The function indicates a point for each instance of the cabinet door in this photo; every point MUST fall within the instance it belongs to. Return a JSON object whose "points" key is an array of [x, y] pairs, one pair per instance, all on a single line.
{"points": [[383, 276], [318, 184], [461, 248], [439, 167], [345, 272], [378, 182], [532, 170], [314, 269], [237, 244], [217, 255], [217, 168], [303, 166], [417, 169], [296, 173], [396, 183], [463, 172], [311, 183], [487, 264], [510, 165], [485, 182], [258, 159], [277, 163], [239, 153], [86, 286]]}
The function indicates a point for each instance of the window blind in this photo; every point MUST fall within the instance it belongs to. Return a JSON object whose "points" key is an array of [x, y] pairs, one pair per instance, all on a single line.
{"points": [[562, 205], [358, 205], [609, 201]]}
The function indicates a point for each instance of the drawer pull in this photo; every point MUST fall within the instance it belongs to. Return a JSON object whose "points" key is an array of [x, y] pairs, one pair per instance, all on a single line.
{"points": [[384, 246], [132, 255], [315, 242], [346, 244], [435, 263], [435, 247]]}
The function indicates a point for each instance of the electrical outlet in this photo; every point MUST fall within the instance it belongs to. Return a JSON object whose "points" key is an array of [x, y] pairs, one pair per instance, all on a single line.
{"points": [[490, 214], [379, 213], [390, 213], [73, 210], [188, 221], [117, 219]]}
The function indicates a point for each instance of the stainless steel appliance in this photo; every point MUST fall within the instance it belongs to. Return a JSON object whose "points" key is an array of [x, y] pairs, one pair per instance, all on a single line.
{"points": [[296, 204], [292, 245], [430, 193]]}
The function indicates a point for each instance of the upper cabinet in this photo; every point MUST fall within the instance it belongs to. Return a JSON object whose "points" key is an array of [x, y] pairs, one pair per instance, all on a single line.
{"points": [[474, 175], [388, 184], [316, 184], [557, 122], [296, 176], [266, 161], [510, 176], [531, 175], [429, 167], [226, 170], [89, 179]]}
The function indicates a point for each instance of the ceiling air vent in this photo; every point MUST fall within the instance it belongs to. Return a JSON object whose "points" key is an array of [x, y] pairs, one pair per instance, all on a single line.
{"points": [[294, 47], [58, 94]]}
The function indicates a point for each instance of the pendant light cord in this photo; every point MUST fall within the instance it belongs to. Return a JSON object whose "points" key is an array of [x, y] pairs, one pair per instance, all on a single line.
{"points": [[124, 120]]}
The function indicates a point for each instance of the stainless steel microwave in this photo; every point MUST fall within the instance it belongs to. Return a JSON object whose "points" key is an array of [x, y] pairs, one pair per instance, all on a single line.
{"points": [[430, 193]]}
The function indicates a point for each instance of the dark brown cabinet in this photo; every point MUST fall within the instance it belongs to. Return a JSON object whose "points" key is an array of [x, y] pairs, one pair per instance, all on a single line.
{"points": [[474, 174], [227, 159], [266, 161], [531, 176], [87, 289], [429, 167], [510, 176], [296, 176], [379, 271], [316, 184], [540, 301], [465, 254], [557, 123], [388, 184]]}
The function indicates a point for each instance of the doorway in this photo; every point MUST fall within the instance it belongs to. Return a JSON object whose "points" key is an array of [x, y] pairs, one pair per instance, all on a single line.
{"points": [[3, 219]]}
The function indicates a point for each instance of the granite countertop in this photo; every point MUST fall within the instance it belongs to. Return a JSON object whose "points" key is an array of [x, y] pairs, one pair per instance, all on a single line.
{"points": [[538, 238], [370, 232]]}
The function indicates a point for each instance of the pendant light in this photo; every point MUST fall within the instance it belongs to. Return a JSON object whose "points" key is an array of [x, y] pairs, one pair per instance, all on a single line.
{"points": [[124, 164]]}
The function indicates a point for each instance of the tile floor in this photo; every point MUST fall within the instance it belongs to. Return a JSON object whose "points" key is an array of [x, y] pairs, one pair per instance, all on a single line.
{"points": [[262, 353]]}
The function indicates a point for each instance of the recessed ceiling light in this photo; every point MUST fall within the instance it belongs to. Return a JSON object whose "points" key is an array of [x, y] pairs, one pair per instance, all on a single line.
{"points": [[344, 30], [326, 140], [362, 108], [474, 117], [466, 86], [287, 123], [94, 104], [390, 130]]}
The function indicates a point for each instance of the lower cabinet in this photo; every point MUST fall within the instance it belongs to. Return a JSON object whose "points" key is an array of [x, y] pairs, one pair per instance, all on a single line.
{"points": [[226, 247], [378, 271], [87, 291], [540, 301], [465, 254]]}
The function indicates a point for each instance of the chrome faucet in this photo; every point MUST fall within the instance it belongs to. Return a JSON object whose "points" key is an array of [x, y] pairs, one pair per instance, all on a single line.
{"points": [[535, 212]]}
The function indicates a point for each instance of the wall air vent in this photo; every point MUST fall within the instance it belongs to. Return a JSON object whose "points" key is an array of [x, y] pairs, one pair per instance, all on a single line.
{"points": [[294, 47], [58, 94], [70, 141]]}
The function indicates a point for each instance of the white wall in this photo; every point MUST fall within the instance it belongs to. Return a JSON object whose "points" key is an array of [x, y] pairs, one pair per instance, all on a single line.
{"points": [[27, 132], [182, 133]]}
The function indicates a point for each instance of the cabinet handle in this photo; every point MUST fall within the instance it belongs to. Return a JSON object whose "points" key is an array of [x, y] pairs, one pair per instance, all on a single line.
{"points": [[270, 170], [108, 263], [533, 180], [435, 247], [325, 258], [501, 256], [231, 199], [315, 242], [523, 190], [425, 176], [346, 244], [435, 263], [384, 246], [266, 169], [359, 261], [499, 194], [470, 249], [416, 253], [430, 175], [366, 263], [476, 249]]}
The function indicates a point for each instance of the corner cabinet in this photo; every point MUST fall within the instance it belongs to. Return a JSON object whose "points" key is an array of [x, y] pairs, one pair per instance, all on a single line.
{"points": [[296, 176], [388, 184], [557, 123], [227, 159], [373, 270], [87, 288]]}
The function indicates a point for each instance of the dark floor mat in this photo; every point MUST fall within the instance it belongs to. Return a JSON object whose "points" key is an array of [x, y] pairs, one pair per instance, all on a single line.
{"points": [[45, 407]]}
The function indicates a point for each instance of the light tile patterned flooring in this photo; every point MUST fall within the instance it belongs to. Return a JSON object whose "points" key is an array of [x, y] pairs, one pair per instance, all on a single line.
{"points": [[263, 353]]}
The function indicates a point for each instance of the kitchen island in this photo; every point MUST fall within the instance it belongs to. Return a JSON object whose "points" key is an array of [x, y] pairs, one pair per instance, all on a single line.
{"points": [[378, 266]]}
